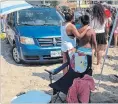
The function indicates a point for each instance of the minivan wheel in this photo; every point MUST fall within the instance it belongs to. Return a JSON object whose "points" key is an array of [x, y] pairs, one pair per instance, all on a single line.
{"points": [[15, 55]]}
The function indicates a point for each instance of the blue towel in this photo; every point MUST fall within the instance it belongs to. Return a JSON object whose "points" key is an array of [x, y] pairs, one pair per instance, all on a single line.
{"points": [[87, 51]]}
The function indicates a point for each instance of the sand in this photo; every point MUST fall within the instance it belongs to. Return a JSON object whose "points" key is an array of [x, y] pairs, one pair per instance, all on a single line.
{"points": [[18, 78]]}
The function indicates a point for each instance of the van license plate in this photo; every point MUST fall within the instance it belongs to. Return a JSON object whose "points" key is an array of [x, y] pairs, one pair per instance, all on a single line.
{"points": [[55, 53]]}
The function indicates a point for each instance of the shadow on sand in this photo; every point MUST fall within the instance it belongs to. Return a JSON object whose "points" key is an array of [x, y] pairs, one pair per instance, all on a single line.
{"points": [[104, 78], [110, 95], [45, 74]]}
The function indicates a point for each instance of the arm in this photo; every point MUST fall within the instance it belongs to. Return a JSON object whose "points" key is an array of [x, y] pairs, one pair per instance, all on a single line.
{"points": [[76, 33], [80, 30]]}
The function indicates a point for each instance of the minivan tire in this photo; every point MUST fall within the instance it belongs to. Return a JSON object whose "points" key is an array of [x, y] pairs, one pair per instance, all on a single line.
{"points": [[15, 55]]}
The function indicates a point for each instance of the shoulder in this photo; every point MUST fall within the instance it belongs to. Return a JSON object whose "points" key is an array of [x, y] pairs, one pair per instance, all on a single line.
{"points": [[91, 32], [72, 26]]}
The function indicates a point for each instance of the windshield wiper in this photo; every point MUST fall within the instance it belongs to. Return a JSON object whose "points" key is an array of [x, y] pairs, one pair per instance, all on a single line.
{"points": [[27, 24], [39, 24], [51, 24]]}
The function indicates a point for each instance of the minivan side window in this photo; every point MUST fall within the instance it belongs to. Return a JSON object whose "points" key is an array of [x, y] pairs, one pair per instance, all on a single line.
{"points": [[10, 20]]}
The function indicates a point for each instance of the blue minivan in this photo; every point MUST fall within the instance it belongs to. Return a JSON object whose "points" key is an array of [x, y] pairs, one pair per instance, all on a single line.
{"points": [[34, 35]]}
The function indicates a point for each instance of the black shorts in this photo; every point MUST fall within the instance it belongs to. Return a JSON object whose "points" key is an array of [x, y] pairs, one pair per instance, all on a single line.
{"points": [[101, 38]]}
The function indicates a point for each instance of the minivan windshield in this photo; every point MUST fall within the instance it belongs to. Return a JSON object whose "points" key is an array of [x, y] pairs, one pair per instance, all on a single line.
{"points": [[38, 17]]}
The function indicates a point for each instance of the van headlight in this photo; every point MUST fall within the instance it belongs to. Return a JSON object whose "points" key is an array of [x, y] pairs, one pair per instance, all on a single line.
{"points": [[26, 40]]}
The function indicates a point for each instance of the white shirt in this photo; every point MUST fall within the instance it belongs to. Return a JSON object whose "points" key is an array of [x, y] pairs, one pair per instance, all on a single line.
{"points": [[95, 24], [67, 42]]}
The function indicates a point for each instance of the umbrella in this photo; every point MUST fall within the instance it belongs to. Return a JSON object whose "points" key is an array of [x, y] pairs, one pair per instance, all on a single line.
{"points": [[9, 6]]}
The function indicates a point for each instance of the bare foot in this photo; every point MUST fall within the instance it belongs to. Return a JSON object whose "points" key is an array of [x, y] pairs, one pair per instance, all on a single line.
{"points": [[97, 69]]}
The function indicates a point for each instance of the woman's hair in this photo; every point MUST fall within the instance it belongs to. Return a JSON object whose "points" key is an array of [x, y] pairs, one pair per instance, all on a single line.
{"points": [[98, 12], [85, 19], [68, 17]]}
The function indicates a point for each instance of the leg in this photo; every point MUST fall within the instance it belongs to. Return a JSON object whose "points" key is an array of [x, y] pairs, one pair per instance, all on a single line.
{"points": [[64, 61], [115, 39], [100, 52], [98, 55], [93, 53], [93, 57], [104, 47]]}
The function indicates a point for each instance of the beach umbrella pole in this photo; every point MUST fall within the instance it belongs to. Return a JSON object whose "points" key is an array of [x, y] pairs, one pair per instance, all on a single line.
{"points": [[111, 35]]}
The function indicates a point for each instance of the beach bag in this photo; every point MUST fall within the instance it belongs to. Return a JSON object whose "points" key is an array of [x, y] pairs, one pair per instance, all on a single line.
{"points": [[78, 59]]}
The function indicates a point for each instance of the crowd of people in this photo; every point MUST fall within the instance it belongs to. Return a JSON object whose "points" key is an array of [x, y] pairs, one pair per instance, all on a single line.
{"points": [[2, 23], [94, 34], [79, 46]]}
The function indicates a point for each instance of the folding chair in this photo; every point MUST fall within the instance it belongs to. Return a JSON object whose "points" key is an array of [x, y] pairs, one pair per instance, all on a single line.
{"points": [[64, 83]]}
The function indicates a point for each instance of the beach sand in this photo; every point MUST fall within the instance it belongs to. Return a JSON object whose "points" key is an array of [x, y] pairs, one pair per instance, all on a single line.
{"points": [[18, 78]]}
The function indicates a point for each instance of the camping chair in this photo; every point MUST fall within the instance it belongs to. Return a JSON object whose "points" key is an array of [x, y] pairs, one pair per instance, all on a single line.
{"points": [[64, 83]]}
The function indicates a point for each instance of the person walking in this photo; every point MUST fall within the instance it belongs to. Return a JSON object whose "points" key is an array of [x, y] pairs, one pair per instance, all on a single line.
{"points": [[98, 23]]}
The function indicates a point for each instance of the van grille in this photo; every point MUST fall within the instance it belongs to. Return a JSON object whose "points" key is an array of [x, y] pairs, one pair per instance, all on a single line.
{"points": [[49, 42], [31, 57]]}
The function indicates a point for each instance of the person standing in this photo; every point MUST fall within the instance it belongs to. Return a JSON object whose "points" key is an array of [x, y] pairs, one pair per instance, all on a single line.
{"points": [[68, 34], [3, 23], [98, 23], [108, 15], [116, 34], [89, 39], [84, 46]]}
